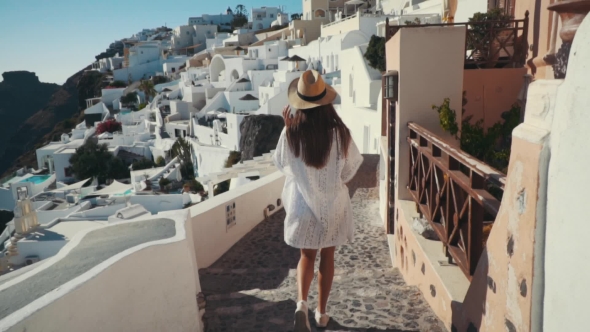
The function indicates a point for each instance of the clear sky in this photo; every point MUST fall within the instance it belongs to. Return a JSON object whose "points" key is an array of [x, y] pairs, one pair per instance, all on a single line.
{"points": [[56, 38]]}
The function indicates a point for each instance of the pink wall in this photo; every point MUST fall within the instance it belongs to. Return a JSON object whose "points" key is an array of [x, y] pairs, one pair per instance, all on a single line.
{"points": [[490, 92]]}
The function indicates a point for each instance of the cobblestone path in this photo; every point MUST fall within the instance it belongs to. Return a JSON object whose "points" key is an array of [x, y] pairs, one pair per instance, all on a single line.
{"points": [[253, 286]]}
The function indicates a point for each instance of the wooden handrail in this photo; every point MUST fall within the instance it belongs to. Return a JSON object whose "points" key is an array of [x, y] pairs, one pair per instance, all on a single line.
{"points": [[449, 188]]}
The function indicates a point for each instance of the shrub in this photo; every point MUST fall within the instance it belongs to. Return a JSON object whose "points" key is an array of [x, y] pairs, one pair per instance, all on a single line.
{"points": [[160, 161], [141, 106], [375, 53], [130, 98], [163, 183], [221, 187], [143, 163], [233, 158], [110, 126], [491, 146], [195, 185], [118, 84]]}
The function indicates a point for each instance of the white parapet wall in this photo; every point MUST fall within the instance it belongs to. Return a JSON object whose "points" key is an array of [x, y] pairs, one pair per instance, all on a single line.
{"points": [[212, 237], [149, 284]]}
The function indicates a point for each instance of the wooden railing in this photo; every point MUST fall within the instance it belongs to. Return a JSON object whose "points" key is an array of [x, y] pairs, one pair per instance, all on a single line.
{"points": [[489, 44], [450, 188]]}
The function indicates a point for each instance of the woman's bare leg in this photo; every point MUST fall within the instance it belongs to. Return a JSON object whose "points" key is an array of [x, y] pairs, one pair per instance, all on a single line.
{"points": [[305, 273], [325, 277]]}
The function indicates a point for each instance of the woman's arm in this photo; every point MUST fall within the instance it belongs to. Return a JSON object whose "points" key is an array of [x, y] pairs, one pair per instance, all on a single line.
{"points": [[353, 161]]}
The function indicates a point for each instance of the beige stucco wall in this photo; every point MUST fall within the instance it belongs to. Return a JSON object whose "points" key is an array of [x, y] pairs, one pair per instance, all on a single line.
{"points": [[504, 288], [490, 92], [211, 238], [343, 26], [423, 83]]}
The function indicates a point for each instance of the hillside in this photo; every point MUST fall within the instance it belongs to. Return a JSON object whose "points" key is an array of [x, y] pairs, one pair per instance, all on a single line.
{"points": [[21, 96], [59, 114]]}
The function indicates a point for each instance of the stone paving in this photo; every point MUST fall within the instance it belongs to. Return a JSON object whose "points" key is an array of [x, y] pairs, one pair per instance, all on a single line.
{"points": [[253, 286]]}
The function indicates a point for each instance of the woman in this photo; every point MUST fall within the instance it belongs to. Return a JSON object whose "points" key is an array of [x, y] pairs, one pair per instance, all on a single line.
{"points": [[318, 156]]}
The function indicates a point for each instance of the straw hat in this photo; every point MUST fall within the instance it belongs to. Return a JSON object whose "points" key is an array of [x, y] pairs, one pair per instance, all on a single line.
{"points": [[310, 91]]}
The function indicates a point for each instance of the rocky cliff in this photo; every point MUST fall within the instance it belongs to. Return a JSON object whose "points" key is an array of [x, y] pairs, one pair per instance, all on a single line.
{"points": [[59, 113], [21, 95], [260, 134]]}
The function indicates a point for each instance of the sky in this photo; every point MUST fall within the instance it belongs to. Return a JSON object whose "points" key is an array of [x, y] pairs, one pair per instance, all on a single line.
{"points": [[57, 38]]}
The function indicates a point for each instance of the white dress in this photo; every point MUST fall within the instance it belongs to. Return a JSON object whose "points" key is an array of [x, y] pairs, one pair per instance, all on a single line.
{"points": [[316, 201]]}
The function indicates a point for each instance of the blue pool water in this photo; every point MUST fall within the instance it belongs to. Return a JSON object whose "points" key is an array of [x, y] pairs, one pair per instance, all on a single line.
{"points": [[36, 179]]}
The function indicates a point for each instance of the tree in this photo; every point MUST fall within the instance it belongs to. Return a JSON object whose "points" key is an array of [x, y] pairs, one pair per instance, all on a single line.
{"points": [[130, 98], [92, 160], [182, 149], [159, 79], [143, 163], [375, 53], [240, 17], [147, 87], [110, 126], [295, 17], [233, 158]]}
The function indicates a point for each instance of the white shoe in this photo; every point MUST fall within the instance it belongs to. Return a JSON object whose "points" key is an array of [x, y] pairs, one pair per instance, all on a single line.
{"points": [[321, 320], [301, 319]]}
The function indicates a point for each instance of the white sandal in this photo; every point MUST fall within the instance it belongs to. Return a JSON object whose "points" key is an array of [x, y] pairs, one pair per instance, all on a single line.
{"points": [[321, 320], [301, 319]]}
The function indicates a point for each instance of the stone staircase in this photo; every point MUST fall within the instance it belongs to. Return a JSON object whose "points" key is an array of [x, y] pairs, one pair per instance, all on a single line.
{"points": [[253, 286]]}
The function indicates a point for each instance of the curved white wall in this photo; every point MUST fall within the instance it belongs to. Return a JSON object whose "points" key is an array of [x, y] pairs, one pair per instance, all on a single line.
{"points": [[567, 250]]}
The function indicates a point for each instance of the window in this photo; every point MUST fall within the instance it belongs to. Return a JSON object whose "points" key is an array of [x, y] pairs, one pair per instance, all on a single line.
{"points": [[272, 15]]}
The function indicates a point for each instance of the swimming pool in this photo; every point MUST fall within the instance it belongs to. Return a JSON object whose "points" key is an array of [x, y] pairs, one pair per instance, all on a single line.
{"points": [[36, 179]]}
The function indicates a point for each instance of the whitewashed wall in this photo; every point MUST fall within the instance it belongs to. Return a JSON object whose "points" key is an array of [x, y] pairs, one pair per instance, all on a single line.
{"points": [[211, 237]]}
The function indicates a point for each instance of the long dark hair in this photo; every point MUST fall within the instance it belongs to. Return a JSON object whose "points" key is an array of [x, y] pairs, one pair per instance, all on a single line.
{"points": [[310, 134]]}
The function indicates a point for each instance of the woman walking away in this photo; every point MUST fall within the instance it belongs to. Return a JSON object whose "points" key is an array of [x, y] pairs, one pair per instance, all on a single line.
{"points": [[318, 156]]}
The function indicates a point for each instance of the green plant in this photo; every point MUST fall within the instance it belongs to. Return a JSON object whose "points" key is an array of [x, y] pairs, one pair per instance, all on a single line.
{"points": [[375, 53], [130, 98], [240, 17], [143, 163], [94, 160], [141, 106], [147, 87], [484, 31], [491, 146], [233, 158], [195, 185], [163, 183], [160, 161], [221, 187], [416, 21], [118, 84]]}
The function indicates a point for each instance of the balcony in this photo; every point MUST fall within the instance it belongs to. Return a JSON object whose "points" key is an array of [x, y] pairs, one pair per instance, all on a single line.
{"points": [[490, 44]]}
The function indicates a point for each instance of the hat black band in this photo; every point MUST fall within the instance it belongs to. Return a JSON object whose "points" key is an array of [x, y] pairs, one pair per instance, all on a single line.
{"points": [[312, 98]]}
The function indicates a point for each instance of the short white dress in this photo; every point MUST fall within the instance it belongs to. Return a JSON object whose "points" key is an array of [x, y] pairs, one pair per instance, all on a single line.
{"points": [[316, 201]]}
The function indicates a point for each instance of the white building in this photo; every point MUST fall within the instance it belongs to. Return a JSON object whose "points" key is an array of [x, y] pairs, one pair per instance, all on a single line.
{"points": [[465, 8], [192, 35], [224, 19], [262, 18]]}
